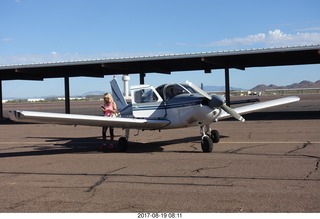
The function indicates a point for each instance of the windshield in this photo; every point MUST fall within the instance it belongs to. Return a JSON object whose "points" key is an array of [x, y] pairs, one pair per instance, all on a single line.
{"points": [[188, 88], [172, 90]]}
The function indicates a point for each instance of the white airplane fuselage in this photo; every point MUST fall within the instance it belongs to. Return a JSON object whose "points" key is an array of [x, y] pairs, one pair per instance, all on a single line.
{"points": [[195, 115], [183, 109]]}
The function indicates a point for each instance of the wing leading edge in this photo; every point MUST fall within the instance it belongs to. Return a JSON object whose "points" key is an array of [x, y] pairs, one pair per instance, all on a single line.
{"points": [[87, 120], [261, 105]]}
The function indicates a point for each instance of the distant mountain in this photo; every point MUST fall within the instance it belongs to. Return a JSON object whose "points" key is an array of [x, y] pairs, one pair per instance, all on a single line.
{"points": [[219, 88], [302, 84], [93, 93]]}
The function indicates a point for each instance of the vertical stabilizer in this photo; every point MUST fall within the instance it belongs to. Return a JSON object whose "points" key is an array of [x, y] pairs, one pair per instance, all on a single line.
{"points": [[117, 95]]}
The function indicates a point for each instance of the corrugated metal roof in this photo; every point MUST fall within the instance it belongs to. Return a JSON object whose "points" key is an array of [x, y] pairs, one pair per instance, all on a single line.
{"points": [[166, 63]]}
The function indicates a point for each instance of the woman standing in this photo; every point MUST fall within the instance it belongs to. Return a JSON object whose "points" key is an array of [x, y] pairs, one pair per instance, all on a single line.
{"points": [[109, 109]]}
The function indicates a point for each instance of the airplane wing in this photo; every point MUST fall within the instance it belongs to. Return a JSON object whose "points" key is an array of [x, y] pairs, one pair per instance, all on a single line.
{"points": [[261, 105], [87, 120]]}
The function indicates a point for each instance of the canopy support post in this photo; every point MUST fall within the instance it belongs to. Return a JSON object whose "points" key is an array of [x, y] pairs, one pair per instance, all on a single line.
{"points": [[227, 85], [67, 95], [1, 104], [142, 75]]}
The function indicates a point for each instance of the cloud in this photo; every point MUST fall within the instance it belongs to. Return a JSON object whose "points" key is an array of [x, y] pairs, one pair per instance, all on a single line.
{"points": [[6, 39], [274, 38], [310, 29]]}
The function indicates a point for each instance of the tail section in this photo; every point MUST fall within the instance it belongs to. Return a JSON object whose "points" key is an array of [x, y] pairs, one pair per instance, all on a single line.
{"points": [[117, 95]]}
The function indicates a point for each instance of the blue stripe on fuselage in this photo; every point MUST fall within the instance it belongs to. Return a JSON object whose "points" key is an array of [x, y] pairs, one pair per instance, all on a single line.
{"points": [[182, 100]]}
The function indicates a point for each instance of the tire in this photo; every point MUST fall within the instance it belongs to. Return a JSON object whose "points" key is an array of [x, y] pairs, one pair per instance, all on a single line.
{"points": [[215, 136], [206, 144], [123, 144]]}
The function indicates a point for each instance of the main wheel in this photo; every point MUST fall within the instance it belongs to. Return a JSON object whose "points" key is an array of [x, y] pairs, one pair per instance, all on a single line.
{"points": [[123, 144], [215, 136], [206, 144]]}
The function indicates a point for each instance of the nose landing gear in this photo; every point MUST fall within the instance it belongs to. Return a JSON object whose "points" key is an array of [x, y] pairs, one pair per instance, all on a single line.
{"points": [[208, 138]]}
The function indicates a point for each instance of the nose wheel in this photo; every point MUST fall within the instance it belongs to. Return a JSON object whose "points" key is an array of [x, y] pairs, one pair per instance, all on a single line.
{"points": [[215, 136], [208, 138], [206, 144]]}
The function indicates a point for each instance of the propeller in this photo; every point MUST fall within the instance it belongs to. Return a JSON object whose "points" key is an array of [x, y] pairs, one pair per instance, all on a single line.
{"points": [[232, 112], [217, 101]]}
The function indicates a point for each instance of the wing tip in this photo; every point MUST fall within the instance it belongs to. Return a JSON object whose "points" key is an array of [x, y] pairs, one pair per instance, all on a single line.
{"points": [[13, 115]]}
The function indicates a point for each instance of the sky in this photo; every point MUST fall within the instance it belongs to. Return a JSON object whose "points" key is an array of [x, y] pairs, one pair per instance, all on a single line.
{"points": [[40, 31]]}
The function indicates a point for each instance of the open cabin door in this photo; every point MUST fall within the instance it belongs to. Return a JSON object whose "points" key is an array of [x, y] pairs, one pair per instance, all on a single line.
{"points": [[147, 103]]}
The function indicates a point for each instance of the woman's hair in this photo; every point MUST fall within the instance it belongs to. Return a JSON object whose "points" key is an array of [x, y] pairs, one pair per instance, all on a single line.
{"points": [[109, 96]]}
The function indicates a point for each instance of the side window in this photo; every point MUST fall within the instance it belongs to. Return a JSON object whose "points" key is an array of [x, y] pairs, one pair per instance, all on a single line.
{"points": [[173, 90], [145, 96]]}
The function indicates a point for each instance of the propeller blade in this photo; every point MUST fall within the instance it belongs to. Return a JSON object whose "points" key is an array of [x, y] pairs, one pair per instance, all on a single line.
{"points": [[232, 112], [199, 90]]}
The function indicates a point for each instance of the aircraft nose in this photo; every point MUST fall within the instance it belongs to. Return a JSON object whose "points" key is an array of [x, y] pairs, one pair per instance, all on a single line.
{"points": [[216, 101]]}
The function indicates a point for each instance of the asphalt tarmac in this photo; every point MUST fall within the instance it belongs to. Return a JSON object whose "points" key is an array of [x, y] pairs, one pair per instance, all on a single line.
{"points": [[270, 163]]}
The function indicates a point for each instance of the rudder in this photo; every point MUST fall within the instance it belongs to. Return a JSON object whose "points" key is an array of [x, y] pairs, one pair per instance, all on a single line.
{"points": [[117, 95]]}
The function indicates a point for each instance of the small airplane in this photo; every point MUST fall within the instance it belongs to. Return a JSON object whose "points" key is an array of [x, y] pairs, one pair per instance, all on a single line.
{"points": [[169, 106]]}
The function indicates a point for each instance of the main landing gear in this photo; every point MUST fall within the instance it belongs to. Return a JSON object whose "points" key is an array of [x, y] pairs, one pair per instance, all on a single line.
{"points": [[122, 145], [123, 142], [208, 138]]}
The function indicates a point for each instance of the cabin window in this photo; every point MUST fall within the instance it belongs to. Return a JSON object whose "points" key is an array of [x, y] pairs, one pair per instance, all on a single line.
{"points": [[176, 89], [145, 96]]}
